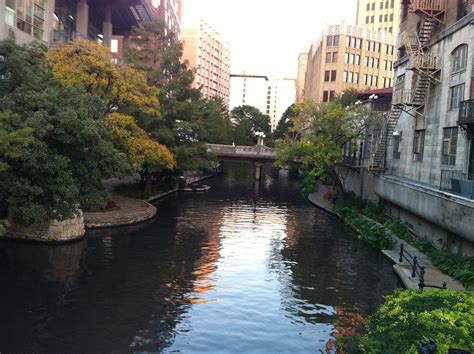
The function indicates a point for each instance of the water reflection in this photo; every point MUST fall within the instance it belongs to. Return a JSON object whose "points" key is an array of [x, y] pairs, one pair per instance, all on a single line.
{"points": [[246, 267]]}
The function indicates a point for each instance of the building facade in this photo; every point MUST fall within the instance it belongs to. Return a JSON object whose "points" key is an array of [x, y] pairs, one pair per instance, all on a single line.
{"points": [[209, 55], [379, 15], [168, 11], [302, 65], [423, 158], [250, 90], [281, 94], [348, 57]]}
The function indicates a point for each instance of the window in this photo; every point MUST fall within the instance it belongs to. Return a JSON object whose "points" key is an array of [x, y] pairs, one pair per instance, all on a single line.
{"points": [[333, 75], [456, 95], [348, 41], [368, 7], [352, 59], [373, 6], [405, 7], [350, 77], [462, 8], [368, 45], [328, 57], [385, 18], [327, 75], [418, 145], [30, 16], [367, 20], [336, 41], [371, 62], [334, 57], [365, 79], [346, 58], [396, 146], [376, 63], [328, 95], [450, 142], [329, 41], [385, 64], [357, 59], [359, 43], [372, 19], [344, 76], [391, 17], [381, 5], [367, 61], [380, 18], [459, 58], [356, 78]]}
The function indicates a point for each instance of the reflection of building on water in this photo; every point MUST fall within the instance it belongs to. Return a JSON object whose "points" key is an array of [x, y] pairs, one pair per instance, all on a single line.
{"points": [[347, 322]]}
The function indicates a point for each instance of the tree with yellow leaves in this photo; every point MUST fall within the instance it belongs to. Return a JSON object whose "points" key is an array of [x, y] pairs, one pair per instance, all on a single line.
{"points": [[90, 65], [143, 152]]}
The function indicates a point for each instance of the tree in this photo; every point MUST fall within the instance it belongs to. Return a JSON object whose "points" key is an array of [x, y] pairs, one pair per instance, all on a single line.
{"points": [[121, 87], [348, 97], [319, 149], [158, 52], [142, 151], [216, 127], [61, 149], [286, 123], [248, 120]]}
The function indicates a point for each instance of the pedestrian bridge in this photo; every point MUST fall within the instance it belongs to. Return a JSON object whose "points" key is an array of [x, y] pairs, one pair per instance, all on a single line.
{"points": [[256, 153]]}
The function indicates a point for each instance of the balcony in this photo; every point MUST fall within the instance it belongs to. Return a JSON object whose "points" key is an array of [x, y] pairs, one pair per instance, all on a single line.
{"points": [[458, 182], [429, 5], [466, 112]]}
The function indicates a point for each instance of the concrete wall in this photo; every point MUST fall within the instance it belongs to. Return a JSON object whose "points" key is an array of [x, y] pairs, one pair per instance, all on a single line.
{"points": [[444, 218], [360, 182]]}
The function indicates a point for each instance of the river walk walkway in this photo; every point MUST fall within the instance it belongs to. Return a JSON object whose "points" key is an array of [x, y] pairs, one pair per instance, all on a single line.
{"points": [[433, 275]]}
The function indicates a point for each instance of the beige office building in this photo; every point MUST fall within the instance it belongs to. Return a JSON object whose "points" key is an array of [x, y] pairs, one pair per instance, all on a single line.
{"points": [[348, 57], [302, 65], [209, 54], [379, 15]]}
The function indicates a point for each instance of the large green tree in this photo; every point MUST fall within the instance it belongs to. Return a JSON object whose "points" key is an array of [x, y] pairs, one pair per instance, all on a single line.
{"points": [[324, 128], [248, 121], [285, 125], [60, 149], [216, 126]]}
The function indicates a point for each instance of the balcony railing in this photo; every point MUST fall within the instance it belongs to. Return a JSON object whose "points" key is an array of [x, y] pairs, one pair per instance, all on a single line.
{"points": [[458, 182], [466, 112], [425, 61], [429, 5]]}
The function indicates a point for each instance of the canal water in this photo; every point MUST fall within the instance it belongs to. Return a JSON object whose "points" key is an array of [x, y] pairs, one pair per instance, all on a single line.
{"points": [[247, 267]]}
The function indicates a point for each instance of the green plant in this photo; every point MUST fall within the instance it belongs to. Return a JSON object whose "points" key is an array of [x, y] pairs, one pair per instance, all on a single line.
{"points": [[409, 316]]}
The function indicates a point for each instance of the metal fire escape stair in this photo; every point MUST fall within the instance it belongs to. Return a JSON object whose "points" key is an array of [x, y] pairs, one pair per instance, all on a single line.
{"points": [[425, 67]]}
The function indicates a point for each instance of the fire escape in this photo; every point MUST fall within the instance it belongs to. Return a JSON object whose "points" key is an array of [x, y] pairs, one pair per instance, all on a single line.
{"points": [[425, 67]]}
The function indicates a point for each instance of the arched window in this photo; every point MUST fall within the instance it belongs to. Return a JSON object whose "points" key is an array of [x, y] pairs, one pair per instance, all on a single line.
{"points": [[459, 58]]}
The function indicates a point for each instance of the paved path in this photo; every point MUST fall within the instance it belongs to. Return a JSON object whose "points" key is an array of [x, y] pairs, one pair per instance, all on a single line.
{"points": [[131, 211], [433, 275]]}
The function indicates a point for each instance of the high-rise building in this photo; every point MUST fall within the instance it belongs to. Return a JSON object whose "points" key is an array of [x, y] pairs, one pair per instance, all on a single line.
{"points": [[348, 57], [270, 96], [379, 15], [170, 12], [249, 90], [209, 54], [302, 65]]}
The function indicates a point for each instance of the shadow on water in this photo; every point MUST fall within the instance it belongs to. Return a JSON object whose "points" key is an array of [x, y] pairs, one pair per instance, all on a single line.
{"points": [[249, 266]]}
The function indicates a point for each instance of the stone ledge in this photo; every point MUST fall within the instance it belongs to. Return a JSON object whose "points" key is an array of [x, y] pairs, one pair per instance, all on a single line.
{"points": [[131, 212]]}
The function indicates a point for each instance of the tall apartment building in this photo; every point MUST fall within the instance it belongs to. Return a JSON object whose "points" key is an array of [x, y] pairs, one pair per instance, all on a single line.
{"points": [[271, 96], [302, 65], [250, 90], [345, 57], [423, 156], [209, 54], [170, 12], [379, 15]]}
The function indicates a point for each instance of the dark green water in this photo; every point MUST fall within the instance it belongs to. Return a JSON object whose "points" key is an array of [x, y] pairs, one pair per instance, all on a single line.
{"points": [[246, 267]]}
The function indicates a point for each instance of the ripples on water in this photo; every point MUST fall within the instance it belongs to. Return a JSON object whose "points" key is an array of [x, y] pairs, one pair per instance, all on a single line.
{"points": [[247, 267]]}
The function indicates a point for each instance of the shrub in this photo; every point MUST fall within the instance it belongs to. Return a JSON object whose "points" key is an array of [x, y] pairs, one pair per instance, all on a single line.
{"points": [[409, 316]]}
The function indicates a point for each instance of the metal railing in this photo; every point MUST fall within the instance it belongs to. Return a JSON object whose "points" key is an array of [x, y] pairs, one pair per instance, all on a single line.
{"points": [[466, 111], [457, 182], [417, 270], [429, 5]]}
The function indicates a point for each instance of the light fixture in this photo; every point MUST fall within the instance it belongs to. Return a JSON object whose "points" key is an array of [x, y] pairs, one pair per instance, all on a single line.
{"points": [[396, 133]]}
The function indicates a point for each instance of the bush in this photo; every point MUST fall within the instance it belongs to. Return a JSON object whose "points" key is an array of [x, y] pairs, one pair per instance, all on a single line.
{"points": [[409, 316]]}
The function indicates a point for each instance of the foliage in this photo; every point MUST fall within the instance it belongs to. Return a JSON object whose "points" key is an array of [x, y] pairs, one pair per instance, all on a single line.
{"points": [[348, 97], [137, 144], [370, 232], [90, 65], [248, 120], [460, 268], [285, 125], [324, 129], [409, 316], [193, 157], [216, 127], [2, 228], [58, 149]]}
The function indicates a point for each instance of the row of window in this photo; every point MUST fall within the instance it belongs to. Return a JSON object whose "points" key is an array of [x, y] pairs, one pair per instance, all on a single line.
{"points": [[27, 16], [370, 62], [332, 41], [382, 18], [381, 6], [448, 147]]}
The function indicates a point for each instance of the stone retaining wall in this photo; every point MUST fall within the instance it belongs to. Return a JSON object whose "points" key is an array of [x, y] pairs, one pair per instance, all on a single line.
{"points": [[53, 231]]}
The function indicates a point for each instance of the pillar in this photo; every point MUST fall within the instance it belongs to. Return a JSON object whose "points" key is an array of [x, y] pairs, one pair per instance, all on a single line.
{"points": [[82, 19], [258, 171], [107, 27]]}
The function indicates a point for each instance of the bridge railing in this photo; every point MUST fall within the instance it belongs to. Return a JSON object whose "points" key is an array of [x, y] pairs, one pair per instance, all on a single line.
{"points": [[240, 150]]}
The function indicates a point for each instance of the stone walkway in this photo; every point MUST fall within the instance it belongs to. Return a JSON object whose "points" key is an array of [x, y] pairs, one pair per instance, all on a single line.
{"points": [[433, 276], [131, 212]]}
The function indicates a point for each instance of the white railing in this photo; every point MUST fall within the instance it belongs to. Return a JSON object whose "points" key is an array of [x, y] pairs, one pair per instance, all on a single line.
{"points": [[257, 151], [429, 5]]}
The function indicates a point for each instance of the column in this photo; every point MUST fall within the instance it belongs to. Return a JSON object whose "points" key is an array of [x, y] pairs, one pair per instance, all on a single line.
{"points": [[82, 19], [107, 27], [258, 171]]}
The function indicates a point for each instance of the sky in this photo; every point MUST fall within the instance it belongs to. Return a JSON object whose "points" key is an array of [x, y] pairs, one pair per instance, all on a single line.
{"points": [[266, 36]]}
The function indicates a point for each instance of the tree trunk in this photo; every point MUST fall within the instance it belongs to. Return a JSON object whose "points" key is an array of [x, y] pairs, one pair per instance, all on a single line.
{"points": [[336, 181], [147, 183]]}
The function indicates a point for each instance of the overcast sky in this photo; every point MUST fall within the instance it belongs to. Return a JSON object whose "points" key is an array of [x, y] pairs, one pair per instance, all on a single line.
{"points": [[267, 35]]}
